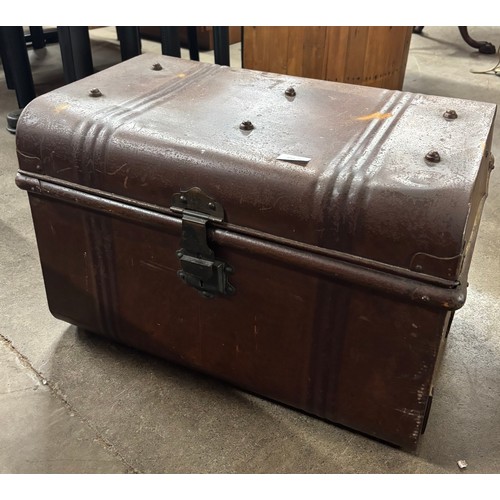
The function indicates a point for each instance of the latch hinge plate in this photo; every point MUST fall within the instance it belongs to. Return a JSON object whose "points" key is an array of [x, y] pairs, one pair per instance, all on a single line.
{"points": [[200, 268]]}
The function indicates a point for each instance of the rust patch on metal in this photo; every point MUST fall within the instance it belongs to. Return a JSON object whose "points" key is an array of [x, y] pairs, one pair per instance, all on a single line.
{"points": [[61, 107], [374, 116]]}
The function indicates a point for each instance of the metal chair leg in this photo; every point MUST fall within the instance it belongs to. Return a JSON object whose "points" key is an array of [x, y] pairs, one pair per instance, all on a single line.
{"points": [[194, 52], [15, 57], [5, 63], [130, 41], [170, 41], [17, 68], [483, 47], [37, 37], [221, 45], [76, 54], [242, 46]]}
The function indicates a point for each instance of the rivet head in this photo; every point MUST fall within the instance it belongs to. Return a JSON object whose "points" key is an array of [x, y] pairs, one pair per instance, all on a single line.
{"points": [[418, 268], [450, 114], [95, 93], [211, 205], [246, 125], [157, 67], [433, 157], [183, 198], [290, 92]]}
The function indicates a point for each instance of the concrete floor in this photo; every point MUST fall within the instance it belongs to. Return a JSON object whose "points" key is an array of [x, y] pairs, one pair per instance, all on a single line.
{"points": [[73, 402]]}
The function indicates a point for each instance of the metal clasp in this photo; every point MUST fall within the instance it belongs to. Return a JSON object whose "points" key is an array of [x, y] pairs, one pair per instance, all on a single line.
{"points": [[200, 268]]}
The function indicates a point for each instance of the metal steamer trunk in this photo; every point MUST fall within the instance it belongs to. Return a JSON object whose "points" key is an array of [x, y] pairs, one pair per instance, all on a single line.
{"points": [[307, 241]]}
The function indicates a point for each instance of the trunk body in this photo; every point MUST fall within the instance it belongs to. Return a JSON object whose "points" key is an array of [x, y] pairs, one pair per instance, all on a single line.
{"points": [[314, 257]]}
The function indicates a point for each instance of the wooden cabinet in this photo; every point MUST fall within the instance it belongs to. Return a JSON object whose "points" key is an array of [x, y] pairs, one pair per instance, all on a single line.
{"points": [[365, 55]]}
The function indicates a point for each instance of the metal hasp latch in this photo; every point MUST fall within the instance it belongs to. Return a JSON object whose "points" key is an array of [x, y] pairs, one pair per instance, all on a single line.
{"points": [[200, 268]]}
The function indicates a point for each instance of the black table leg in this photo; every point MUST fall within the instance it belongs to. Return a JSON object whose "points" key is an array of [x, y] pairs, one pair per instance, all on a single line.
{"points": [[221, 45], [194, 52], [37, 37], [17, 68], [76, 54], [242, 46], [15, 58], [130, 41], [170, 42], [483, 47], [6, 66]]}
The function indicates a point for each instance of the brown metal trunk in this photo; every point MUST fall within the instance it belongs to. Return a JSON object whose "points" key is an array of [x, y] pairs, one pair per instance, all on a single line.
{"points": [[325, 280]]}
